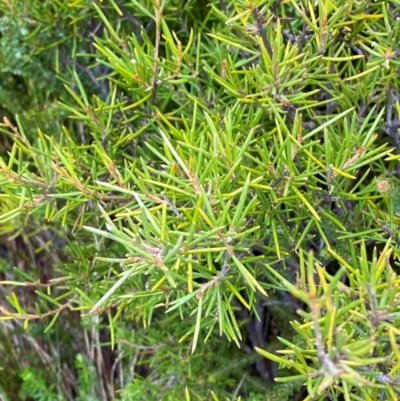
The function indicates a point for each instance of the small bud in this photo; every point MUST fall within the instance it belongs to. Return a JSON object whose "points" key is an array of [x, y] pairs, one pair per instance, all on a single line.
{"points": [[383, 186], [390, 187]]}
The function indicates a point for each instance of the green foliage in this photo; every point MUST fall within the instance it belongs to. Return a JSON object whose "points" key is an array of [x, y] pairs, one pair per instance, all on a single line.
{"points": [[15, 57], [188, 182], [347, 340], [35, 386], [87, 378]]}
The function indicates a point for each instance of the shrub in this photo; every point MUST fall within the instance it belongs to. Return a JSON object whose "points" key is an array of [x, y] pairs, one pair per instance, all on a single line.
{"points": [[199, 201]]}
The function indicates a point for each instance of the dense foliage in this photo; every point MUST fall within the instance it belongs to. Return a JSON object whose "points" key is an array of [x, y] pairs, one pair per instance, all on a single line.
{"points": [[199, 200]]}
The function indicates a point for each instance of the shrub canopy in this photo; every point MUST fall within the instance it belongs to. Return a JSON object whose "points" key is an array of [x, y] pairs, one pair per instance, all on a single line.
{"points": [[199, 200]]}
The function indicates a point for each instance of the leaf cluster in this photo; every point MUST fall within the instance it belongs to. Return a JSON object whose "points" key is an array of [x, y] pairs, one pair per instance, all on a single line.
{"points": [[216, 159]]}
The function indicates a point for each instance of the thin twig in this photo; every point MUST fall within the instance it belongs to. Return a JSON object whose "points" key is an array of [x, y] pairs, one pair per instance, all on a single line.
{"points": [[261, 30], [322, 355], [158, 17], [25, 316]]}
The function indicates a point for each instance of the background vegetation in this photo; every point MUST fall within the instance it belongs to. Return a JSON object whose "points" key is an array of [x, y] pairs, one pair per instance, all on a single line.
{"points": [[199, 200]]}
